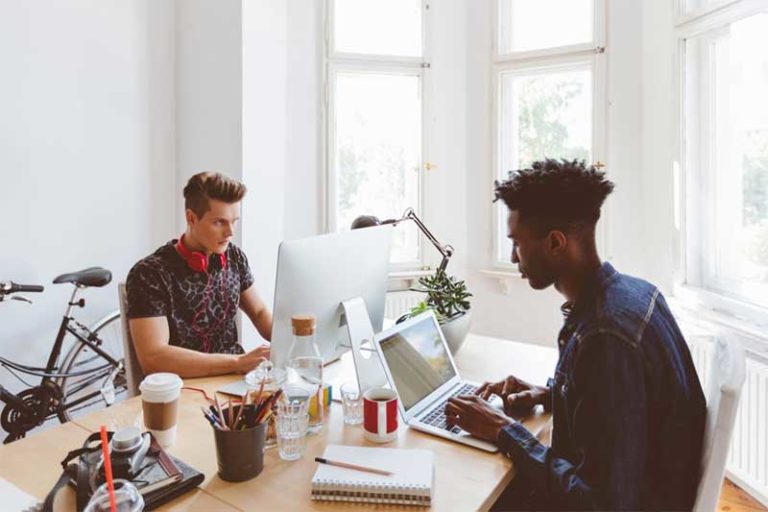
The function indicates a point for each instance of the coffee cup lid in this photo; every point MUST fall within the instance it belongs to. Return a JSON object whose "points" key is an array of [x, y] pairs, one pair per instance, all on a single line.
{"points": [[160, 382]]}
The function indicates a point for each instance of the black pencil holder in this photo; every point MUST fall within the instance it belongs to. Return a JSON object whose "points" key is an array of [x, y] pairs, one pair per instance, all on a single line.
{"points": [[240, 453]]}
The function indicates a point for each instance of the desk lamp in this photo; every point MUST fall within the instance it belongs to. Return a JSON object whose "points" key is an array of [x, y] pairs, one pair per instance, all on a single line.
{"points": [[365, 221]]}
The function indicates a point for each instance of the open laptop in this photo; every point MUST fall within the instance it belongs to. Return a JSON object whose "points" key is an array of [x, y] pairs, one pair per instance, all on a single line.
{"points": [[421, 370]]}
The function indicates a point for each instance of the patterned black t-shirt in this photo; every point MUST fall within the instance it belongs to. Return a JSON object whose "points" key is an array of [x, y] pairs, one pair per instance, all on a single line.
{"points": [[200, 307]]}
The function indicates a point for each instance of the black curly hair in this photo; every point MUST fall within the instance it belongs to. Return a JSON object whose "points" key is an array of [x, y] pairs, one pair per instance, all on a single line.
{"points": [[556, 194]]}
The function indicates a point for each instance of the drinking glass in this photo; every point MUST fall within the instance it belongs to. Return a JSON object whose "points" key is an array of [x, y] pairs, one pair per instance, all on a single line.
{"points": [[127, 498], [292, 421], [352, 403]]}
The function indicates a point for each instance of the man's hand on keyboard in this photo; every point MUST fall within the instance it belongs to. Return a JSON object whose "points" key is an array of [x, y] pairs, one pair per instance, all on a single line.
{"points": [[518, 395], [476, 416]]}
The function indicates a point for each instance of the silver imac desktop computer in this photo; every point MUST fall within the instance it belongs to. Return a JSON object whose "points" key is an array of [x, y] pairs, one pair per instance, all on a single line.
{"points": [[316, 275]]}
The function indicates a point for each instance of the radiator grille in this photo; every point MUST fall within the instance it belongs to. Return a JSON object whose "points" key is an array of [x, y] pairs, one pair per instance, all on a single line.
{"points": [[399, 303], [747, 462], [748, 458]]}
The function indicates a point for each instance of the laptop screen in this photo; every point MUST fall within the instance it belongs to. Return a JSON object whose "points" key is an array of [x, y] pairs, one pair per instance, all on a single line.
{"points": [[417, 360]]}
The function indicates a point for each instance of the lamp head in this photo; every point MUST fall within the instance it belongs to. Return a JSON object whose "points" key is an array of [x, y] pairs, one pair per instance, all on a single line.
{"points": [[365, 221]]}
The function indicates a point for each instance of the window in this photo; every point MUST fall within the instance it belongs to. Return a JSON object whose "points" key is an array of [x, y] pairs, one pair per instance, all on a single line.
{"points": [[375, 73], [725, 122], [548, 88]]}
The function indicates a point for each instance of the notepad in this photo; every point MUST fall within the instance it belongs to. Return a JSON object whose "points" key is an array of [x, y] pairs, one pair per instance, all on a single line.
{"points": [[411, 483]]}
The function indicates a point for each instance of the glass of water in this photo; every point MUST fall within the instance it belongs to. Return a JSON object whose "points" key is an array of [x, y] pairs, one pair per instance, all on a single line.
{"points": [[352, 403], [291, 422]]}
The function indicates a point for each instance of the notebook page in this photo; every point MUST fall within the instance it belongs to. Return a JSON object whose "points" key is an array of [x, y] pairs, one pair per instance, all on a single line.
{"points": [[410, 467]]}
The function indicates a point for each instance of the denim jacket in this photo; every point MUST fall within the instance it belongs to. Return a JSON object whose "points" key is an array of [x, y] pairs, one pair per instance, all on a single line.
{"points": [[628, 409]]}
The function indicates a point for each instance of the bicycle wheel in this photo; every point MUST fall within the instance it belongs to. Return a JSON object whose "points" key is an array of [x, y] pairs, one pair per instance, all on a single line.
{"points": [[101, 384]]}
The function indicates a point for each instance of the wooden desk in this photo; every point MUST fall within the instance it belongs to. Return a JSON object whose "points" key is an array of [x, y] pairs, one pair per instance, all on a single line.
{"points": [[465, 478]]}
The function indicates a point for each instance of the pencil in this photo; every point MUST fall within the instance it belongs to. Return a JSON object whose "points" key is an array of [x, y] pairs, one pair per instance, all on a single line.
{"points": [[212, 419], [257, 399], [347, 465], [218, 410], [266, 405], [243, 403]]}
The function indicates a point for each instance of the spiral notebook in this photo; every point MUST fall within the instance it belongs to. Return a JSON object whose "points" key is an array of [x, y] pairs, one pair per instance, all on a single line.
{"points": [[411, 483]]}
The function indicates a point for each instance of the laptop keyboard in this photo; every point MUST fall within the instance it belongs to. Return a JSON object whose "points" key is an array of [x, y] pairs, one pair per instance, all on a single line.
{"points": [[436, 417]]}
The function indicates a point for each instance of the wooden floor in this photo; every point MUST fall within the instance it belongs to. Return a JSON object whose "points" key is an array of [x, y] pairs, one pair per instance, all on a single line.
{"points": [[733, 499]]}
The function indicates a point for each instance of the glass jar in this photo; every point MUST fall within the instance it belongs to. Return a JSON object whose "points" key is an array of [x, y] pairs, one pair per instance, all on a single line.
{"points": [[304, 373]]}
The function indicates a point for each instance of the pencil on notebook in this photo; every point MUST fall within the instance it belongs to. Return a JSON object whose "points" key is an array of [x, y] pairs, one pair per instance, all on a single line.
{"points": [[347, 465]]}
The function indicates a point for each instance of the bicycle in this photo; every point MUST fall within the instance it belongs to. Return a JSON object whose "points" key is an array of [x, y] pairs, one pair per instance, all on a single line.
{"points": [[91, 371]]}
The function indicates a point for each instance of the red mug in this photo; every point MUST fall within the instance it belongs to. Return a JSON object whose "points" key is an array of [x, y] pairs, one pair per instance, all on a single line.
{"points": [[380, 415]]}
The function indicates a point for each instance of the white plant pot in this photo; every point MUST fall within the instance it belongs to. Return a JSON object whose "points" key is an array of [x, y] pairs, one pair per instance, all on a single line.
{"points": [[455, 330]]}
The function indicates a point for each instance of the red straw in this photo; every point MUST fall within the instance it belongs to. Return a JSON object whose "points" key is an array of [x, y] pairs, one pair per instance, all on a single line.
{"points": [[108, 468]]}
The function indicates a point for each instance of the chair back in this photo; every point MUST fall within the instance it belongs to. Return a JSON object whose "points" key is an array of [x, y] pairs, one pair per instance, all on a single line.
{"points": [[134, 373], [725, 377]]}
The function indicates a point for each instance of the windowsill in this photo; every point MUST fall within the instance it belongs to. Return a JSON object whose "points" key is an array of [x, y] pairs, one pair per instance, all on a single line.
{"points": [[697, 306], [505, 278]]}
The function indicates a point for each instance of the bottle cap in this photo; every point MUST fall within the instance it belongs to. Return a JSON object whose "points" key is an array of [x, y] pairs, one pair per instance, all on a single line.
{"points": [[303, 325]]}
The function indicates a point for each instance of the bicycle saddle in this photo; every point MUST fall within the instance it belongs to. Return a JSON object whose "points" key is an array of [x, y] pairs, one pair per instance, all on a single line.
{"points": [[91, 276]]}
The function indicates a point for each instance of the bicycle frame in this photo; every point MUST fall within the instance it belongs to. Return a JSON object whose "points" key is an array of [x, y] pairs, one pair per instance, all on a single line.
{"points": [[51, 370]]}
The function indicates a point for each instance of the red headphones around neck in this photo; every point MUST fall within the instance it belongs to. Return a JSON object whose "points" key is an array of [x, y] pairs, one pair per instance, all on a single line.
{"points": [[197, 260]]}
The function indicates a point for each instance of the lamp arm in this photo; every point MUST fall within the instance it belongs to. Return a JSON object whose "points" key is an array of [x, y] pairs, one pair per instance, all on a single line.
{"points": [[445, 250]]}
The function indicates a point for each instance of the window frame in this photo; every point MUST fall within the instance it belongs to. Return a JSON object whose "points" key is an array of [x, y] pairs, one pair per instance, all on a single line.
{"points": [[554, 59], [335, 62], [696, 283]]}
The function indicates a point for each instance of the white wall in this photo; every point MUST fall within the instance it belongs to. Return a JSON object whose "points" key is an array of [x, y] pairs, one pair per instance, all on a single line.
{"points": [[303, 94], [208, 91], [264, 26], [86, 153]]}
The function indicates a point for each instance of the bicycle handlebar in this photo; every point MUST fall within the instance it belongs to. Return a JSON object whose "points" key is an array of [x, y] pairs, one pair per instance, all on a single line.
{"points": [[9, 287]]}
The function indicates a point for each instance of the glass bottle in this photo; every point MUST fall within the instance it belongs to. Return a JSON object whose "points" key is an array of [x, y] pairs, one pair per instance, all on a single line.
{"points": [[304, 379]]}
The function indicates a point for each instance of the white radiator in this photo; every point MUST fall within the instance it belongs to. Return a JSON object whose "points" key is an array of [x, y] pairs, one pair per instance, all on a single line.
{"points": [[748, 458], [747, 462], [399, 303]]}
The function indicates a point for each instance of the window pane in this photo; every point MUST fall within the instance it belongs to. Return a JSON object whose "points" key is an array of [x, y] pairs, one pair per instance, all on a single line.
{"points": [[377, 151], [544, 115], [735, 67], [526, 25], [378, 27]]}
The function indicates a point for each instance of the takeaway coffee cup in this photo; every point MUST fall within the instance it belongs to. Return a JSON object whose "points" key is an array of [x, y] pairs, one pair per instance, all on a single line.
{"points": [[160, 401], [380, 415]]}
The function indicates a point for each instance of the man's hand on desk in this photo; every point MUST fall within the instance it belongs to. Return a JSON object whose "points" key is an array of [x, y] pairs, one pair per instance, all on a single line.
{"points": [[250, 360], [476, 416], [518, 396]]}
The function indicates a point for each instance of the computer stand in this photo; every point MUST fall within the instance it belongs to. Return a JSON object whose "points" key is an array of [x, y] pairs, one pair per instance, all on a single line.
{"points": [[370, 373]]}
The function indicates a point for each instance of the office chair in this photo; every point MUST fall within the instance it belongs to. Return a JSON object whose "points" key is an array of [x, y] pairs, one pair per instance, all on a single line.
{"points": [[727, 370], [133, 372]]}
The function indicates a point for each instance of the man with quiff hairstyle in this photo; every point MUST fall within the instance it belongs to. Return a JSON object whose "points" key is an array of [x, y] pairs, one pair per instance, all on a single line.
{"points": [[184, 297]]}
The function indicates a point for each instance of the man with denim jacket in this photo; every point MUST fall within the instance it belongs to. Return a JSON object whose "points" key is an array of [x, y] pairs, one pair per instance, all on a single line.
{"points": [[628, 409]]}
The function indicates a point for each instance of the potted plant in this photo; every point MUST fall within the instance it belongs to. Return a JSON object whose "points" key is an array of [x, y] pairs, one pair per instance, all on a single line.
{"points": [[449, 299]]}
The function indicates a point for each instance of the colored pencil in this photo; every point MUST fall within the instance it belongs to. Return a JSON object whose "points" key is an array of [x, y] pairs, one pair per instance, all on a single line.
{"points": [[218, 410], [243, 403]]}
